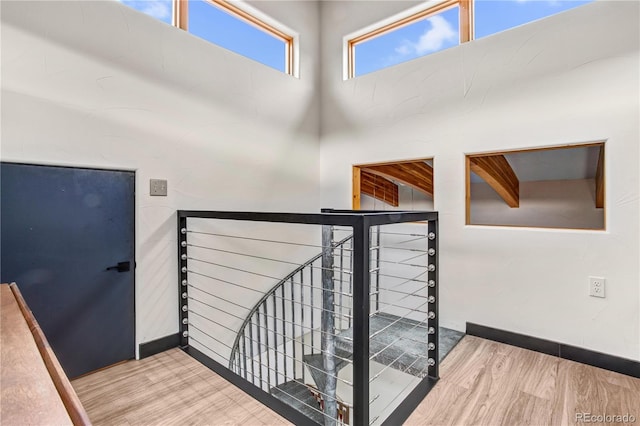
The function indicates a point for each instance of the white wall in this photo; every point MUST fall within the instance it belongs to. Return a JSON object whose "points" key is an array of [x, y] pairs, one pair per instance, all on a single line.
{"points": [[549, 204], [98, 84], [569, 78]]}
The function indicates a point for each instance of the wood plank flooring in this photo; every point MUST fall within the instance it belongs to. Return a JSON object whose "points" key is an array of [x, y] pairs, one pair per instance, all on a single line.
{"points": [[489, 383], [170, 388], [482, 383]]}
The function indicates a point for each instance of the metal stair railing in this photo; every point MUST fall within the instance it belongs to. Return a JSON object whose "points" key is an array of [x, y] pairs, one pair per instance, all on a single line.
{"points": [[307, 324]]}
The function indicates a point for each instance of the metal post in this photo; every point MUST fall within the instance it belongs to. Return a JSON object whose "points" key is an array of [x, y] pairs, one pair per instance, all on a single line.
{"points": [[301, 322], [328, 328], [284, 332], [361, 302], [244, 354], [251, 344], [274, 334], [182, 282], [266, 343], [377, 268], [293, 332], [432, 247], [313, 310], [259, 332]]}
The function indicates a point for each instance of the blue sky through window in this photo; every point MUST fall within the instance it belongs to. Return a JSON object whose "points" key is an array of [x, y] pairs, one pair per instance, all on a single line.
{"points": [[420, 38], [219, 27], [492, 16], [159, 9]]}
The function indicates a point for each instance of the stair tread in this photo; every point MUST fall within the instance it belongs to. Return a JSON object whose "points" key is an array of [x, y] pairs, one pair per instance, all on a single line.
{"points": [[299, 397], [400, 343]]}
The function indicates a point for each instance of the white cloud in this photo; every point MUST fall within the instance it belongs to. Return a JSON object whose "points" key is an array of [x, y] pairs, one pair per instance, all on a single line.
{"points": [[439, 32], [159, 9]]}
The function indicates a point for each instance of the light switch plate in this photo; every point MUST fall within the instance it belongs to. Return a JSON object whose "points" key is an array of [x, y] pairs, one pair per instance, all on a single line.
{"points": [[158, 187]]}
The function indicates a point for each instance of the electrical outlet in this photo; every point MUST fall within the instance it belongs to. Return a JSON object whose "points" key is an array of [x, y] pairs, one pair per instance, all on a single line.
{"points": [[596, 286], [158, 187]]}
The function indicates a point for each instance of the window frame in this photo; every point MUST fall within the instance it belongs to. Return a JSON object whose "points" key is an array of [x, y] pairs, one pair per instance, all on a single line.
{"points": [[404, 19], [600, 182], [356, 177], [180, 19]]}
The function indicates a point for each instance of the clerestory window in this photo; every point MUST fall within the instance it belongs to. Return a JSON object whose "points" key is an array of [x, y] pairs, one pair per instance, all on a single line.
{"points": [[235, 26], [438, 25]]}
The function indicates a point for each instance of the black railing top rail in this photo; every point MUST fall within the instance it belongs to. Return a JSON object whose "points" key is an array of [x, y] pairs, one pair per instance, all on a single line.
{"points": [[327, 217]]}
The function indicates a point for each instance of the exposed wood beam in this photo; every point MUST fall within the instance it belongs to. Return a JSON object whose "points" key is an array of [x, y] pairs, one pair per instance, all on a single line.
{"points": [[497, 172], [416, 174], [379, 188], [600, 179]]}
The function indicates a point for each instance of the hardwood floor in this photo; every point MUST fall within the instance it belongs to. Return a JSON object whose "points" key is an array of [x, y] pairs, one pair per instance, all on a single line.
{"points": [[482, 383], [488, 383], [170, 388]]}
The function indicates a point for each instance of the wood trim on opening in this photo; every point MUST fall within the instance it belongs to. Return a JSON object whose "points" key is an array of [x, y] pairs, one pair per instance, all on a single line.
{"points": [[356, 182], [600, 179], [467, 185], [180, 16], [466, 21], [543, 148]]}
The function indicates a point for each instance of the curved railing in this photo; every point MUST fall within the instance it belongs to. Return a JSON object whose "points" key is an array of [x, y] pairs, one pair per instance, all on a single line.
{"points": [[235, 361]]}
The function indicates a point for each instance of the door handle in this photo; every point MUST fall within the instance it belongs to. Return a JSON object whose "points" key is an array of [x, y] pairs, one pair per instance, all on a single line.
{"points": [[120, 267]]}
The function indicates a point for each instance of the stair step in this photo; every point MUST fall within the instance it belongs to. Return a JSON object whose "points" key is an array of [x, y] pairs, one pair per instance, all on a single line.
{"points": [[401, 343], [300, 398]]}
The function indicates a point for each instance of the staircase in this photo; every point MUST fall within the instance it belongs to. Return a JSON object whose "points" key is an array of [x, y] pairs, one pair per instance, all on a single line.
{"points": [[297, 341], [396, 342]]}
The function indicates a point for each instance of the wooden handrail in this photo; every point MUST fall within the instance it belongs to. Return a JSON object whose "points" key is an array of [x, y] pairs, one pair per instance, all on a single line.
{"points": [[68, 395]]}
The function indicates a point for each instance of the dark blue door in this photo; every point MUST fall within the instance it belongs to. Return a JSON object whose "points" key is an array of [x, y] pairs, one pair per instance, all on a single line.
{"points": [[67, 235]]}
